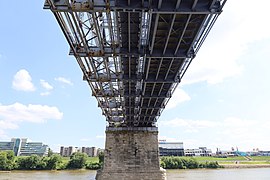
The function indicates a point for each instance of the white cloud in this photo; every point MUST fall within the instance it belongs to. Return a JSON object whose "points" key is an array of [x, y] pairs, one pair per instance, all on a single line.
{"points": [[46, 85], [228, 41], [3, 135], [231, 131], [179, 96], [18, 112], [22, 81], [189, 125], [64, 80], [8, 125], [45, 93], [12, 115]]}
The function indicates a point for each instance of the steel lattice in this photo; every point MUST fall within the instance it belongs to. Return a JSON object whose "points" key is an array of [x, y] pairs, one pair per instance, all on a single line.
{"points": [[133, 54]]}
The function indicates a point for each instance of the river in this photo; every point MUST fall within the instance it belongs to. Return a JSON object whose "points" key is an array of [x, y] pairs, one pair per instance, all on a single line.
{"points": [[200, 174]]}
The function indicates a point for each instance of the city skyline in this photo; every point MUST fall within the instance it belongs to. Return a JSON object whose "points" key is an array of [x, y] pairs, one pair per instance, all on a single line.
{"points": [[222, 101]]}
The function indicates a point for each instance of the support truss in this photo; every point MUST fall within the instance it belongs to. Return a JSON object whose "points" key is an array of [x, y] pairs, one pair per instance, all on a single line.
{"points": [[133, 54]]}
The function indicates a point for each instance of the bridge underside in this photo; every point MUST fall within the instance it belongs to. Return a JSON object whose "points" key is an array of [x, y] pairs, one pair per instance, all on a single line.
{"points": [[133, 54]]}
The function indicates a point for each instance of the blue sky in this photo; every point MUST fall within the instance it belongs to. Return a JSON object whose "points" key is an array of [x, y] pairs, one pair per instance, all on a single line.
{"points": [[223, 100]]}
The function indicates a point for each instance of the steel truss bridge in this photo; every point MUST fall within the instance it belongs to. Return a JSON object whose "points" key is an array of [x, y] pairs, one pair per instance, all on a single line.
{"points": [[133, 53]]}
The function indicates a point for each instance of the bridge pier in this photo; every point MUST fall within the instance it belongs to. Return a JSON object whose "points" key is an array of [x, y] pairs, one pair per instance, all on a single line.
{"points": [[131, 153]]}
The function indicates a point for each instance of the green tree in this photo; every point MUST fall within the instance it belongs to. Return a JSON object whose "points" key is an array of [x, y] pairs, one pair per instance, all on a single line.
{"points": [[101, 157], [7, 160], [50, 152], [93, 165], [191, 163], [77, 160], [31, 162], [212, 165], [3, 160], [54, 162]]}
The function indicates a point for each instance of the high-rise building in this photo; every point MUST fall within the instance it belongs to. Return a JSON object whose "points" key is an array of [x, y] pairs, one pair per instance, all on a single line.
{"points": [[21, 147], [90, 151], [67, 151]]}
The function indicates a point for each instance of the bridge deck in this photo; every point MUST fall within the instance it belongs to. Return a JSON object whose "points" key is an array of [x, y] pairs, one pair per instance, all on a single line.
{"points": [[133, 54]]}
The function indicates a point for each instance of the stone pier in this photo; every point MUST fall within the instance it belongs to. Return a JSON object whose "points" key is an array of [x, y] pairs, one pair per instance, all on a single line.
{"points": [[131, 154]]}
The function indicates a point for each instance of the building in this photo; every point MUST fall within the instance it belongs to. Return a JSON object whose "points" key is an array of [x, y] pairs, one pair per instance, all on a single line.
{"points": [[202, 151], [21, 147], [67, 151], [90, 151], [18, 143], [37, 148], [171, 148], [5, 146]]}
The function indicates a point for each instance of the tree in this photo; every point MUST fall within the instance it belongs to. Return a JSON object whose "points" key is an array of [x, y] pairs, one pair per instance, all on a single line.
{"points": [[93, 165], [101, 157], [54, 161], [3, 160], [6, 160], [77, 160], [50, 152], [31, 162]]}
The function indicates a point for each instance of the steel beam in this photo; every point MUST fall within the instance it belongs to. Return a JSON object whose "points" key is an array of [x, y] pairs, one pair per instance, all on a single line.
{"points": [[131, 63]]}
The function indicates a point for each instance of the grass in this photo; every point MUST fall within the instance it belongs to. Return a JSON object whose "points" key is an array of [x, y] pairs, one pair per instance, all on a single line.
{"points": [[260, 158], [255, 162], [89, 159], [209, 158], [232, 160]]}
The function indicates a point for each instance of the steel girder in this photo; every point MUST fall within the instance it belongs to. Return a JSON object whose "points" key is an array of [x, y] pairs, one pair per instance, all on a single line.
{"points": [[133, 54]]}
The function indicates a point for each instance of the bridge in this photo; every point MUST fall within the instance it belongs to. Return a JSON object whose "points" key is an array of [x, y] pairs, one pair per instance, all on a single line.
{"points": [[133, 55]]}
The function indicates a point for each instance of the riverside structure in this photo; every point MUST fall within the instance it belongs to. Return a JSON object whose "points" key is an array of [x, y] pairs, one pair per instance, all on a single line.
{"points": [[133, 55], [21, 147]]}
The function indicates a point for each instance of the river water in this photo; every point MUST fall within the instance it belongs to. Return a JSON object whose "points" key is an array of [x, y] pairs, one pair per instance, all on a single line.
{"points": [[201, 174]]}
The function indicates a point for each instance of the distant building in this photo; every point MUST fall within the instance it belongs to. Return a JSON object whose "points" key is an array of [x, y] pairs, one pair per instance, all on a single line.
{"points": [[67, 151], [264, 153], [5, 146], [21, 147], [171, 148], [202, 151], [31, 148], [90, 151]]}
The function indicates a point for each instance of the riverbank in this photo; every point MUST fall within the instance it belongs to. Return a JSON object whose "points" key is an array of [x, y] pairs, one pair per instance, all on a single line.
{"points": [[215, 162], [238, 166]]}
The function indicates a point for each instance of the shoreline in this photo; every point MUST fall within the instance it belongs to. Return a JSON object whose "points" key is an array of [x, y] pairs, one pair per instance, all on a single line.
{"points": [[224, 166], [238, 166]]}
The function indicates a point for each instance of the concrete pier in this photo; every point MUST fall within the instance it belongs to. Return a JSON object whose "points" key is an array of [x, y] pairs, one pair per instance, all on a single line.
{"points": [[131, 154]]}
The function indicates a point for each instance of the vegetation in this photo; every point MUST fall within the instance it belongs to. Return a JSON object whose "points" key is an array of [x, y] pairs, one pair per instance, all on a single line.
{"points": [[96, 165], [185, 163], [35, 162], [77, 161], [54, 162], [8, 161]]}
